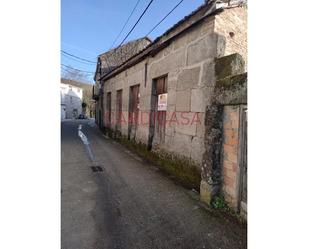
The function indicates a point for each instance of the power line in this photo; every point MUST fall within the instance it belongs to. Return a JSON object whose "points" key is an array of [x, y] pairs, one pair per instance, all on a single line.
{"points": [[85, 74], [164, 17], [176, 6], [77, 60], [136, 22], [125, 23], [86, 77], [76, 69], [159, 23], [66, 70], [72, 55], [106, 59], [66, 56], [84, 60]]}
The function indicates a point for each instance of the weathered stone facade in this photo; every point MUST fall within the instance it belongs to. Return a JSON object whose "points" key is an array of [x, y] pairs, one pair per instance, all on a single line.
{"points": [[186, 91], [233, 26], [224, 164], [116, 56], [108, 61], [185, 59]]}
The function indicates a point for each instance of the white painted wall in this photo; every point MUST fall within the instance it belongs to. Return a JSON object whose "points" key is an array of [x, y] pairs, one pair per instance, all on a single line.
{"points": [[71, 101], [63, 111]]}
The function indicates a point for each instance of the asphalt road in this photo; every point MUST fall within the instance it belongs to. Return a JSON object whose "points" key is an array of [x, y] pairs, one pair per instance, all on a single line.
{"points": [[130, 204]]}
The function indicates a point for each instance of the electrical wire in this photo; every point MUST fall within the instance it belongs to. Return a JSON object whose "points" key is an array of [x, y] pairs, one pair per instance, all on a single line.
{"points": [[164, 18], [134, 47], [76, 69], [106, 59], [125, 23], [72, 55], [136, 22], [86, 74], [77, 60]]}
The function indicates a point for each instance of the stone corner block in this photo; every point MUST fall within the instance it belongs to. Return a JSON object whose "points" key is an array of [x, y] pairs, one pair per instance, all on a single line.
{"points": [[229, 65]]}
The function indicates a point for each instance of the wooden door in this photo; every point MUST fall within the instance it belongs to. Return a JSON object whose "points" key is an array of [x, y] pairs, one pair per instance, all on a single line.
{"points": [[243, 161], [157, 118], [133, 110], [109, 109], [118, 109], [160, 117]]}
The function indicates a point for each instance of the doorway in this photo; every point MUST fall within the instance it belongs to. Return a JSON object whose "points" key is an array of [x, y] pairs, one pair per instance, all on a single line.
{"points": [[242, 205], [134, 96], [118, 110], [158, 111], [109, 109]]}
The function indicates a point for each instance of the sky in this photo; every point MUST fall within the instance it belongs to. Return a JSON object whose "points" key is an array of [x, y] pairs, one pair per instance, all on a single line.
{"points": [[89, 27]]}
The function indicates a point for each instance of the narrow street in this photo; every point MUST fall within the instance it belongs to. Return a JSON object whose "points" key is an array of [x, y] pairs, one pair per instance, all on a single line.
{"points": [[129, 204]]}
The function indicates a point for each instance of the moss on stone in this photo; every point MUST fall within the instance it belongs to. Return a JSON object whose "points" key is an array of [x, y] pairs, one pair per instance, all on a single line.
{"points": [[229, 82], [225, 83], [180, 169], [239, 79], [229, 65]]}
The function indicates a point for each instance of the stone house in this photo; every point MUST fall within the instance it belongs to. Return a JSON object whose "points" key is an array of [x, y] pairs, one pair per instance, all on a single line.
{"points": [[71, 100], [86, 97], [110, 60], [184, 95]]}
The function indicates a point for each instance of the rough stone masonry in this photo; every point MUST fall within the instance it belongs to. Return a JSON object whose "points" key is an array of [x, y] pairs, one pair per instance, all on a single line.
{"points": [[186, 59]]}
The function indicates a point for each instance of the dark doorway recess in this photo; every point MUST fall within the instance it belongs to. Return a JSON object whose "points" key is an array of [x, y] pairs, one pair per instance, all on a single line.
{"points": [[133, 111], [157, 118]]}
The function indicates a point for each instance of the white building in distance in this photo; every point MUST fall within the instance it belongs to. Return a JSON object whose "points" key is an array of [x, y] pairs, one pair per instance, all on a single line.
{"points": [[71, 101]]}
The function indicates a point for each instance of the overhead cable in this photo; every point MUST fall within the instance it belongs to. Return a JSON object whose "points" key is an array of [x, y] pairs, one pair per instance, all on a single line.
{"points": [[151, 1], [125, 24]]}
